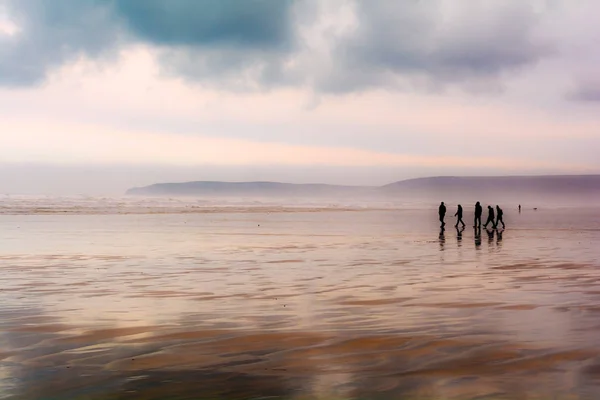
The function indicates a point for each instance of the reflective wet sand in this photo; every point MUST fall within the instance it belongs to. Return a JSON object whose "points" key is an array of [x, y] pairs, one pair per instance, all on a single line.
{"points": [[326, 304]]}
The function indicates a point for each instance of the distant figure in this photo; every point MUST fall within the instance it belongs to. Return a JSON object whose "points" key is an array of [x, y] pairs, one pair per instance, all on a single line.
{"points": [[478, 211], [519, 208], [499, 217], [490, 217], [442, 212], [459, 217]]}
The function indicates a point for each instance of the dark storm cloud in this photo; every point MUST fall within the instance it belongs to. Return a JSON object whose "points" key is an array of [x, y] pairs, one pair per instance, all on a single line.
{"points": [[233, 43], [249, 43], [209, 23], [200, 38], [52, 33]]}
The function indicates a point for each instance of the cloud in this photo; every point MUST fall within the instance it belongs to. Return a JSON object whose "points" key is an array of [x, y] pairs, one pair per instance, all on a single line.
{"points": [[50, 34], [434, 43], [239, 44], [209, 23], [587, 90], [338, 46], [576, 33], [197, 39]]}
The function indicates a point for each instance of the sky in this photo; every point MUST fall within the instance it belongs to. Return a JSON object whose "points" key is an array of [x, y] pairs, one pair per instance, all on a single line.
{"points": [[97, 96]]}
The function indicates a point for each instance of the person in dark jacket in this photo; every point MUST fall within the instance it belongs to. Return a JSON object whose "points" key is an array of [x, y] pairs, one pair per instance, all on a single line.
{"points": [[478, 211], [442, 212], [499, 215], [458, 214], [490, 218]]}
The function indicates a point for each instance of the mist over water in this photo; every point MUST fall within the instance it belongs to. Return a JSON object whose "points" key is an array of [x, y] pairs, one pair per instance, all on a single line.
{"points": [[421, 200]]}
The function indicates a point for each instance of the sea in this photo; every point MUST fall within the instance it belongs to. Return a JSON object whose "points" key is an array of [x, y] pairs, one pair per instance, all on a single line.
{"points": [[167, 298]]}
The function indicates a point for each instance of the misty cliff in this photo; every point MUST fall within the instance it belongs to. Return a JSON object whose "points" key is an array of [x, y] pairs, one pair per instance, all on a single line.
{"points": [[501, 188], [537, 184], [582, 188]]}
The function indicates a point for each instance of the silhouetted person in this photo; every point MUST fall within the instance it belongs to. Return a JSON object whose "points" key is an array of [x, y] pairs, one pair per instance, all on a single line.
{"points": [[519, 208], [478, 211], [490, 218], [442, 212], [499, 217], [459, 216]]}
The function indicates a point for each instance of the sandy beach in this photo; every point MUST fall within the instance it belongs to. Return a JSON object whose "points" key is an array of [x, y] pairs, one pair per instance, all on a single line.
{"points": [[296, 301]]}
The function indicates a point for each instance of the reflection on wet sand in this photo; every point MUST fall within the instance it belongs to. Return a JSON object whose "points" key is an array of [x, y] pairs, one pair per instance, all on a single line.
{"points": [[154, 363], [490, 233], [172, 307], [477, 236], [459, 232]]}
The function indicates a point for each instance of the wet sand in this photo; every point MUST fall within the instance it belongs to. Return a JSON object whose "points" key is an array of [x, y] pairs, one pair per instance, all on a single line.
{"points": [[303, 305]]}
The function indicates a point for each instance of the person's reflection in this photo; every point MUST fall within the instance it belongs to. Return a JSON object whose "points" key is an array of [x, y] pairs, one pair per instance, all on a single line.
{"points": [[499, 236], [442, 239], [477, 236], [459, 232], [490, 234]]}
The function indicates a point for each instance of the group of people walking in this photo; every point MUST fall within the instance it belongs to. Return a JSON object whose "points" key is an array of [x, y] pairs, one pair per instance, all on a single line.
{"points": [[494, 218]]}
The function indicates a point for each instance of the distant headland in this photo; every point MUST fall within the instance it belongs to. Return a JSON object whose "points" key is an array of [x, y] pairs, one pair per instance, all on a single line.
{"points": [[448, 187]]}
